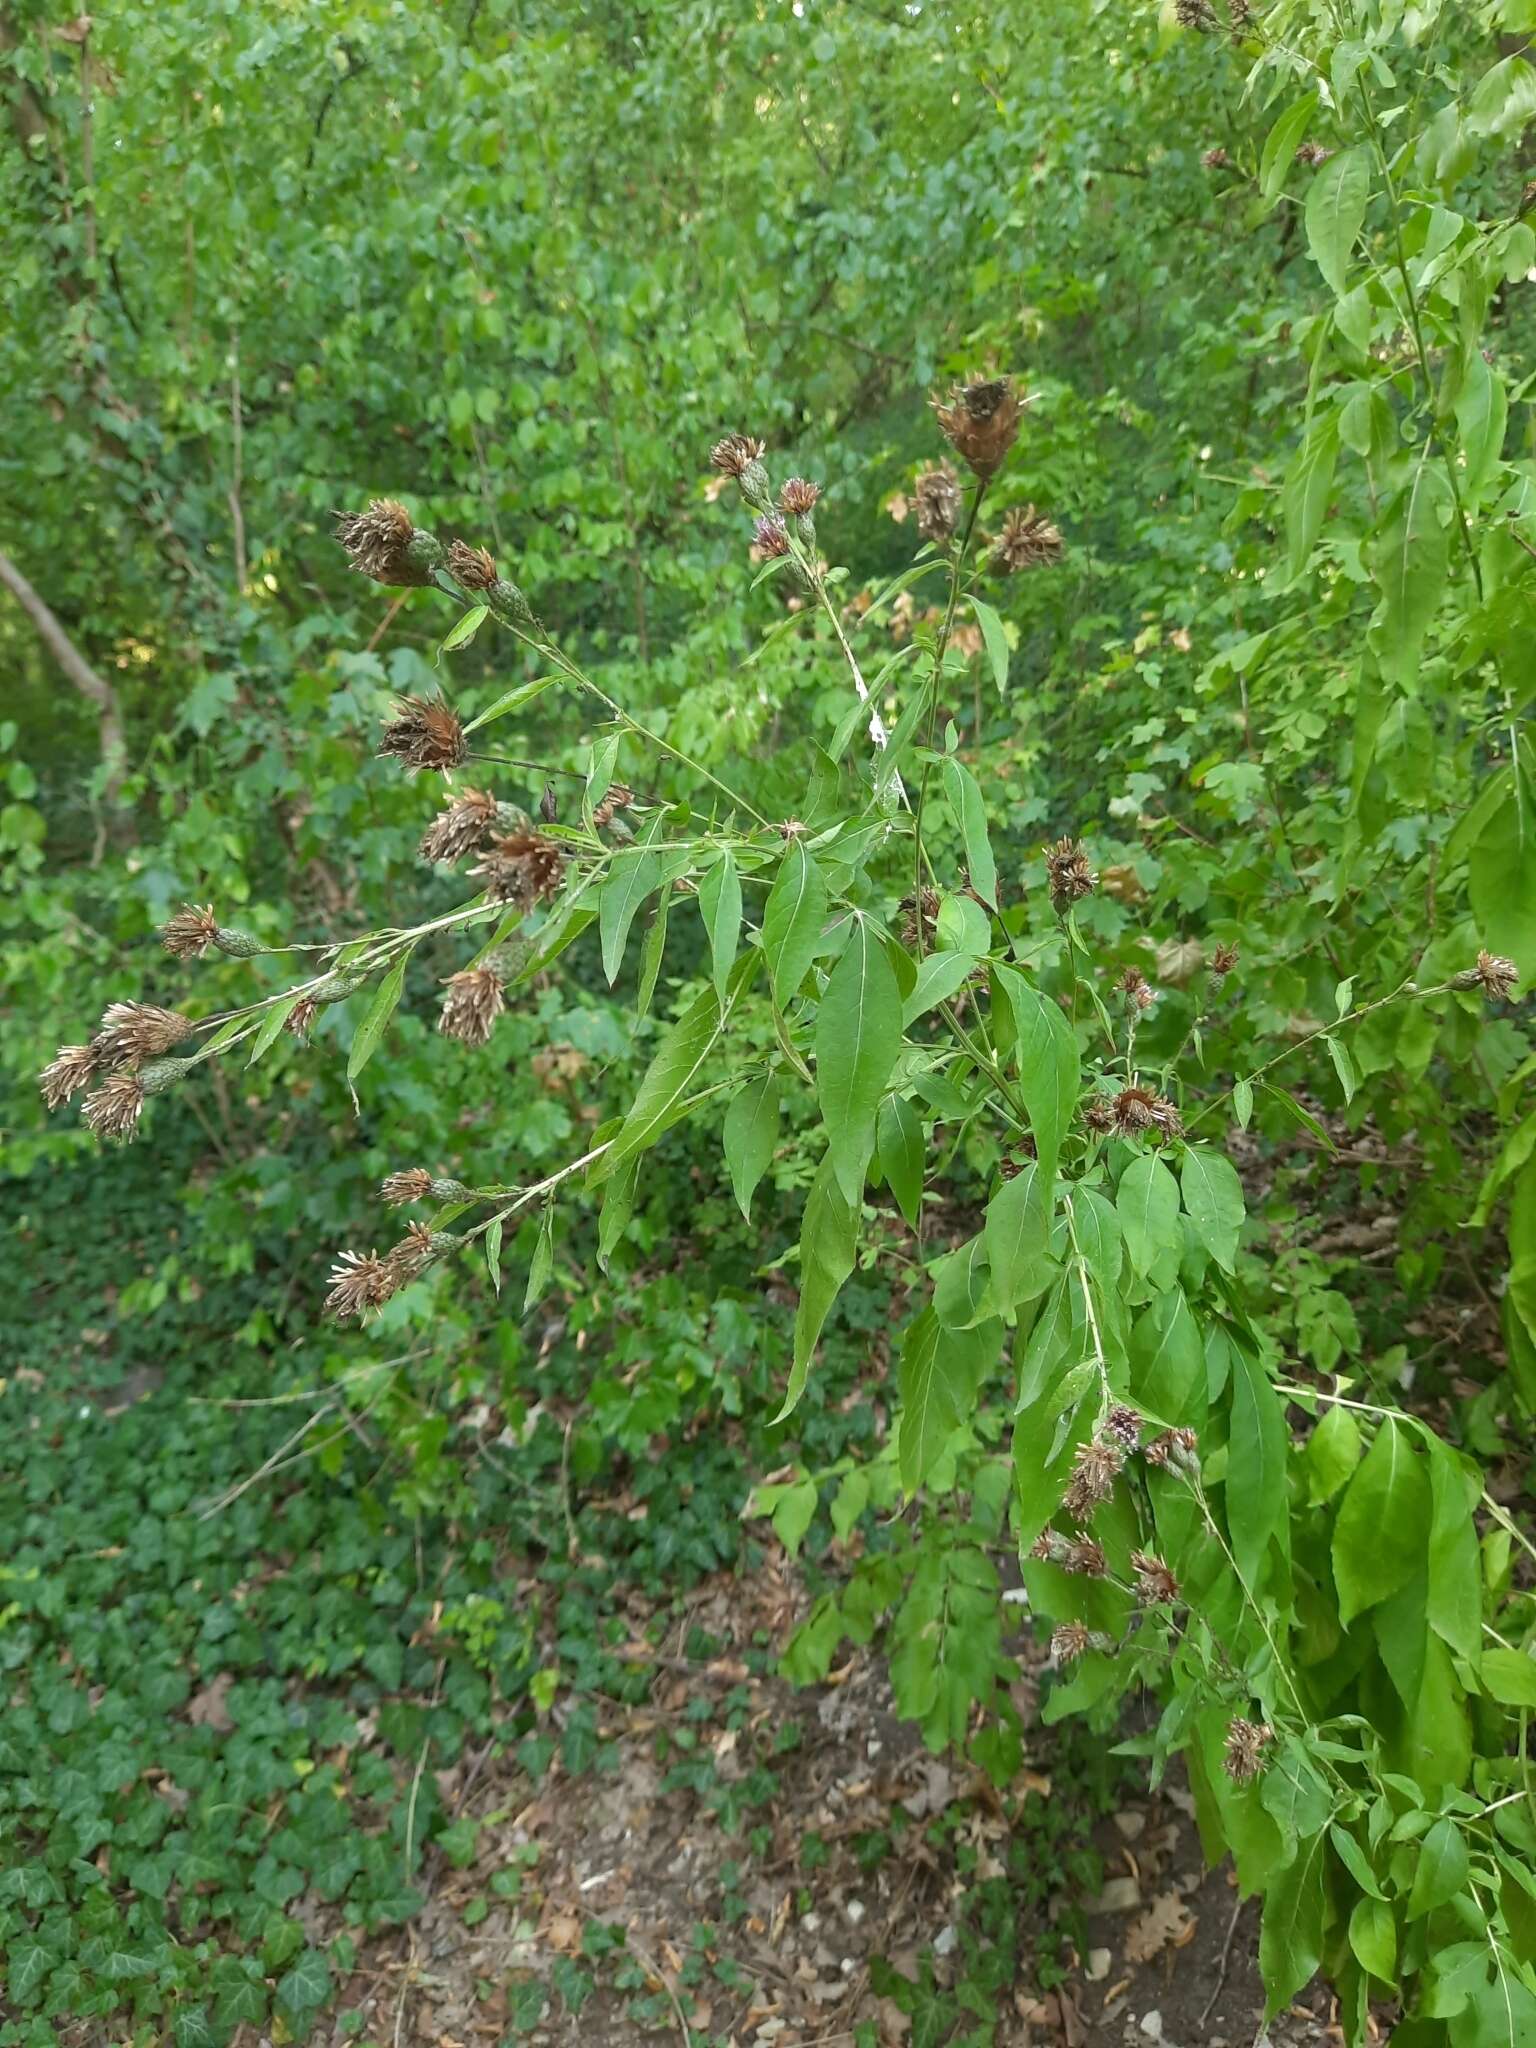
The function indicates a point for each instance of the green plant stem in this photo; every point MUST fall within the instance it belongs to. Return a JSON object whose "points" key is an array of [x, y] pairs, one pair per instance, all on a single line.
{"points": [[935, 676]]}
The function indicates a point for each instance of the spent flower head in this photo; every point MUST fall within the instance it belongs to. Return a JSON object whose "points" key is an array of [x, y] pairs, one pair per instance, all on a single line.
{"points": [[1155, 1583], [425, 732], [1247, 1742], [980, 420], [938, 499], [189, 932], [1497, 977], [462, 827], [1028, 540], [770, 536], [133, 1032], [473, 569], [523, 867], [797, 497], [476, 998], [1094, 1471], [386, 544], [360, 1282], [72, 1068], [1069, 873]]}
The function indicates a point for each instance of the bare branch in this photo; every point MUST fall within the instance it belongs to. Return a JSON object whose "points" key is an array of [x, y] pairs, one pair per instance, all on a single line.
{"points": [[114, 749]]}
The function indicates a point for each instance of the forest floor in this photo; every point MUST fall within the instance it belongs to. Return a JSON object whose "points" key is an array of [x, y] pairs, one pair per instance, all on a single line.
{"points": [[871, 1895]]}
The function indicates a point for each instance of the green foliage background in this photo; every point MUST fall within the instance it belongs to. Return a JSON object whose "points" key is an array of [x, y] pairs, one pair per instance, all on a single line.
{"points": [[520, 266]]}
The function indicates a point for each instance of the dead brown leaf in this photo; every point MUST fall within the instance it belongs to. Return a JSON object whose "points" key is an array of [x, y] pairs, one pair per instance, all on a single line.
{"points": [[1165, 1924]]}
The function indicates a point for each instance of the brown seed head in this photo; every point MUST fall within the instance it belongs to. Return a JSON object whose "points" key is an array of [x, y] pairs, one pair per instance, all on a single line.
{"points": [[981, 422], [790, 828], [300, 1020], [1223, 960], [770, 536], [1246, 1743], [1313, 154], [1497, 977], [1094, 1471], [1136, 990], [1216, 159], [938, 499], [1154, 1582], [797, 497], [425, 732], [1176, 1449], [1122, 1426], [386, 544], [132, 1032], [1028, 541], [189, 933], [619, 798], [1099, 1114], [473, 569], [113, 1111], [922, 916], [463, 826], [420, 1245], [72, 1068], [735, 454], [360, 1283], [523, 867], [1071, 1641], [1197, 14], [1141, 1112], [476, 998], [1085, 1557], [1050, 1547], [413, 1185], [1069, 874]]}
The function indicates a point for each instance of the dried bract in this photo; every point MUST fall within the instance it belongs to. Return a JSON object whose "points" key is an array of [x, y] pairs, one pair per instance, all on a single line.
{"points": [[190, 931], [1028, 541], [1069, 874], [1154, 1582], [1069, 1642], [938, 499], [113, 1111], [473, 569], [413, 1185], [770, 536], [133, 1032], [1094, 1471], [1216, 159], [425, 732], [1246, 1743], [72, 1068], [360, 1283], [476, 998], [980, 421], [1086, 1558], [523, 867], [1122, 1426], [1497, 977], [797, 497], [386, 544], [1138, 1112], [463, 826]]}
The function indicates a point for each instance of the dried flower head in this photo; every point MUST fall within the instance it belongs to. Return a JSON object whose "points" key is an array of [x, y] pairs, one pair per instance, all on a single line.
{"points": [[425, 732], [734, 454], [1099, 1114], [463, 826], [922, 916], [798, 497], [1246, 1744], [385, 543], [1122, 1426], [1178, 1449], [413, 1185], [1028, 541], [1223, 960], [360, 1282], [1497, 977], [1050, 1547], [1068, 873], [1240, 14], [980, 421], [790, 828], [472, 569], [133, 1032], [190, 931], [1136, 991], [1313, 154], [300, 1020], [72, 1068], [420, 1245], [1141, 1112], [1216, 159], [1094, 1471], [1069, 1642], [1086, 1558], [770, 536], [1154, 1582], [938, 500], [113, 1111], [476, 998], [1197, 14], [619, 798], [523, 867]]}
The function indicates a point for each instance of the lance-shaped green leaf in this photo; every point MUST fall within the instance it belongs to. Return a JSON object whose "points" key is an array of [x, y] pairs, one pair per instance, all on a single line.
{"points": [[1409, 564], [899, 1143], [792, 920], [1336, 203], [1018, 1234], [828, 1244], [720, 908], [673, 1075], [750, 1134], [1291, 1935], [1379, 1539], [941, 1371], [1213, 1196], [1148, 1203], [965, 800], [939, 976], [635, 873], [1256, 1485], [1308, 482], [995, 640], [858, 1035], [380, 1010], [1279, 151], [1049, 1067]]}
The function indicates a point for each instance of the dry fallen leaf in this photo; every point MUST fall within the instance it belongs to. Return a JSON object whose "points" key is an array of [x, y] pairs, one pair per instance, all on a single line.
{"points": [[1165, 1924], [208, 1708]]}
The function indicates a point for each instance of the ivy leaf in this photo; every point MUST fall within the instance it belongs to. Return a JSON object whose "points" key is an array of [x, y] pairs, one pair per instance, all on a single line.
{"points": [[792, 920], [828, 1242], [1213, 1198], [308, 1984], [1147, 1200], [1335, 209], [1379, 1537], [750, 1134], [969, 807], [1049, 1067], [858, 1035]]}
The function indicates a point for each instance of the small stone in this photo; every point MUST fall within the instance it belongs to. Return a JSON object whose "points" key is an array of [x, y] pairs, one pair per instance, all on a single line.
{"points": [[1097, 1967], [854, 1911], [1120, 1895], [1131, 1822], [1152, 2025], [944, 1941]]}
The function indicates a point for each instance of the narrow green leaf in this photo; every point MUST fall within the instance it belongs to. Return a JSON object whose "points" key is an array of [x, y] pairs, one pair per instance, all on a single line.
{"points": [[1049, 1067], [1308, 484], [465, 630], [493, 1251], [858, 1035], [1291, 1934], [939, 976], [828, 1244], [750, 1134], [1018, 1238], [541, 1267], [1508, 1676], [1242, 1103], [662, 1097], [1148, 1203], [653, 952], [271, 1026], [792, 920], [995, 640], [1409, 564], [1280, 145], [941, 1371], [1373, 1937], [1379, 1537], [1455, 1601], [1336, 202], [720, 908], [1256, 1484], [1482, 411], [511, 700], [380, 1010], [1441, 1871], [965, 800], [899, 1145], [1213, 1198]]}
